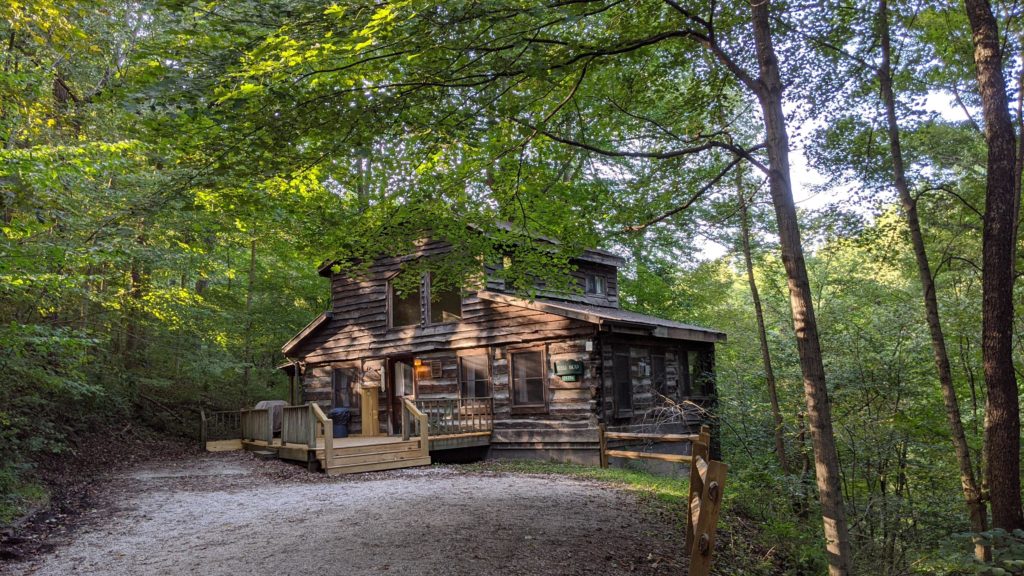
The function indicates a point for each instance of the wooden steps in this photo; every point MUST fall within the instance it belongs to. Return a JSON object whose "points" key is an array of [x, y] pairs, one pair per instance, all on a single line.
{"points": [[374, 457]]}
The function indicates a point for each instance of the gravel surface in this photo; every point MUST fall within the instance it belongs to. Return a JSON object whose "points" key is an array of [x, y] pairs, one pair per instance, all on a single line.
{"points": [[232, 514]]}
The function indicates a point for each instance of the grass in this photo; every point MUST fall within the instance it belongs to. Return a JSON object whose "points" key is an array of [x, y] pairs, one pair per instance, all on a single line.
{"points": [[666, 489]]}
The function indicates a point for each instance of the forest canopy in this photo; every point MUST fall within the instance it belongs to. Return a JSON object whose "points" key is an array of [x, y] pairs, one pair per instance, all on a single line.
{"points": [[174, 172]]}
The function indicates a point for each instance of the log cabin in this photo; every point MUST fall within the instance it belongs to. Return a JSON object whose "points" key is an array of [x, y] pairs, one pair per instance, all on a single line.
{"points": [[546, 372]]}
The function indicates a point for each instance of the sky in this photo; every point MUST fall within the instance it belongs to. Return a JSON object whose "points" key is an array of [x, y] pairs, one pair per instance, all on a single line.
{"points": [[807, 182]]}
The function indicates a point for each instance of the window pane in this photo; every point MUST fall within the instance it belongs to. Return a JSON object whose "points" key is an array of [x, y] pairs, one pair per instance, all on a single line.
{"points": [[658, 373], [474, 376], [342, 385], [528, 377], [623, 381], [696, 375], [405, 309], [595, 284], [445, 306]]}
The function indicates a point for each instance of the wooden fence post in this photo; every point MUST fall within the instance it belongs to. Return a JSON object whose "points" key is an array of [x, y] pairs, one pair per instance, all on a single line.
{"points": [[699, 455], [704, 532], [603, 446]]}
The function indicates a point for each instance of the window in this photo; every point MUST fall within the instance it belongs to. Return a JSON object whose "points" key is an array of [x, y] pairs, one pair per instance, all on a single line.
{"points": [[445, 304], [658, 378], [404, 309], [622, 382], [341, 385], [473, 376], [696, 379], [595, 284], [528, 375]]}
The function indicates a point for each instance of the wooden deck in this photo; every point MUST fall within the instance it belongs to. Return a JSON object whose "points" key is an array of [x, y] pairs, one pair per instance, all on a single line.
{"points": [[306, 436], [367, 453]]}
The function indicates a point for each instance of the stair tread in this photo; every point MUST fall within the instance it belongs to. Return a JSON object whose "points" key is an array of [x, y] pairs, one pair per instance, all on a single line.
{"points": [[420, 461]]}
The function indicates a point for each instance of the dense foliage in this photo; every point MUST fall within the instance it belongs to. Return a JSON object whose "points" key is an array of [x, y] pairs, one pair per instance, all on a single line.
{"points": [[173, 173]]}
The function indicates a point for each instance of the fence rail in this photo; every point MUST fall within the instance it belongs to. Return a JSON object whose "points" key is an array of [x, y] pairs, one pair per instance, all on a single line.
{"points": [[707, 481], [457, 415]]}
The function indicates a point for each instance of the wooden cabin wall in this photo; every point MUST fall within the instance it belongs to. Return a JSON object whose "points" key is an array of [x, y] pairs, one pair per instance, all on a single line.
{"points": [[583, 268], [687, 380], [363, 332]]}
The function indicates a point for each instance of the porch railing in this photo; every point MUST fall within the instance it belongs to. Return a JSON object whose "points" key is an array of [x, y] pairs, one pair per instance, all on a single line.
{"points": [[257, 424], [219, 425], [457, 415], [298, 425]]}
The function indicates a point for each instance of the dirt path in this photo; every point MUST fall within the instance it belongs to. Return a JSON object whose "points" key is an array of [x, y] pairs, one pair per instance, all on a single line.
{"points": [[231, 514]]}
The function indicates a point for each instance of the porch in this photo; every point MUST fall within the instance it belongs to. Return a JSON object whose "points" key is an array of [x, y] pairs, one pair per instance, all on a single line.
{"points": [[306, 435]]}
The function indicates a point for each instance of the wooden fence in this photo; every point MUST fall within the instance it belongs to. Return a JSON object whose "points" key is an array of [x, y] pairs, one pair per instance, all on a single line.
{"points": [[707, 481], [457, 415]]}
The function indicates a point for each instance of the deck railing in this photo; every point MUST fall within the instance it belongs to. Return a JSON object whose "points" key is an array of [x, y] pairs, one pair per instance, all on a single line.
{"points": [[257, 424], [457, 415], [219, 425], [297, 425]]}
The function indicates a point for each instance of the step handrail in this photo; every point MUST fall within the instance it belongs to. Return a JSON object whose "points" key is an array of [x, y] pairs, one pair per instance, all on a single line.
{"points": [[409, 411], [328, 433]]}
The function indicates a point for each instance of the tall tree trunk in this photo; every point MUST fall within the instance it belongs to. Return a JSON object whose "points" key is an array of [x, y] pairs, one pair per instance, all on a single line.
{"points": [[819, 413], [247, 338], [999, 234], [762, 334], [968, 482]]}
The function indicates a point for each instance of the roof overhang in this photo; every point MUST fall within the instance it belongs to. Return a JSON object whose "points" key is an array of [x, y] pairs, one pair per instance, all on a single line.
{"points": [[612, 318], [310, 328]]}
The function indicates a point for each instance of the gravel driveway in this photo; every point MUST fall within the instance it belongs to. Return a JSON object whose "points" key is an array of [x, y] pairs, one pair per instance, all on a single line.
{"points": [[231, 514]]}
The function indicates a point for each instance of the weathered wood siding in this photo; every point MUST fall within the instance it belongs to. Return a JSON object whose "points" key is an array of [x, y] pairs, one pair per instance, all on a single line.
{"points": [[359, 326], [688, 377]]}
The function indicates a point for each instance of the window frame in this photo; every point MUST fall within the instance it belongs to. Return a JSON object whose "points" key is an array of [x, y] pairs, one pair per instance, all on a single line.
{"points": [[427, 312], [391, 294], [660, 388], [617, 408], [488, 381], [337, 371], [600, 284], [536, 408]]}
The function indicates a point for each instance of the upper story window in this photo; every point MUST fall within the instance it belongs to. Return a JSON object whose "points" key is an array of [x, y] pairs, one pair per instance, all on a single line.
{"points": [[444, 304], [404, 308], [595, 284]]}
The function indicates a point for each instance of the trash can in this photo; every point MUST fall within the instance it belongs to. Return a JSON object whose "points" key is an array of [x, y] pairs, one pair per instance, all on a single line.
{"points": [[340, 417]]}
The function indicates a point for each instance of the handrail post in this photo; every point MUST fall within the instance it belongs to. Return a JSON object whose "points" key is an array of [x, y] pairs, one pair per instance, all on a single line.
{"points": [[311, 428], [406, 421], [603, 446], [202, 428]]}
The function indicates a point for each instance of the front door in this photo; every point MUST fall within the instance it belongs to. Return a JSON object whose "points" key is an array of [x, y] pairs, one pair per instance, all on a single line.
{"points": [[401, 382]]}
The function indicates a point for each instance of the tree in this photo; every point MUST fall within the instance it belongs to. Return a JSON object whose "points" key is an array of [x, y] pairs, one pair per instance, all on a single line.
{"points": [[999, 237]]}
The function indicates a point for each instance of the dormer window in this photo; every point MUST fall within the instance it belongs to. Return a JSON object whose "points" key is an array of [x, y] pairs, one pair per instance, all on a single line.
{"points": [[595, 284], [404, 308]]}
